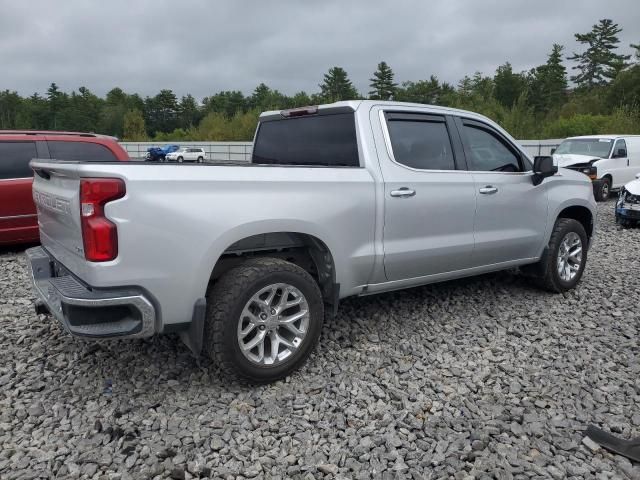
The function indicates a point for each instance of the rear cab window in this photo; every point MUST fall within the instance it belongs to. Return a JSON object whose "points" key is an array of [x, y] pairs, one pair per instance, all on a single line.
{"points": [[78, 151], [323, 139], [15, 157]]}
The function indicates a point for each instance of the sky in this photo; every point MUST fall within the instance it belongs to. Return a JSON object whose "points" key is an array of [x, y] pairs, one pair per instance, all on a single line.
{"points": [[205, 46]]}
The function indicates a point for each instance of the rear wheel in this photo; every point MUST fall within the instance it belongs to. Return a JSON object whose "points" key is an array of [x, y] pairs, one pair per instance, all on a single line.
{"points": [[200, 159], [263, 319], [602, 191], [562, 265]]}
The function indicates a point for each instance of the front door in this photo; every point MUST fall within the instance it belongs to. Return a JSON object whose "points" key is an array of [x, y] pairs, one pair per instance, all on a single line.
{"points": [[511, 212], [621, 169], [429, 198]]}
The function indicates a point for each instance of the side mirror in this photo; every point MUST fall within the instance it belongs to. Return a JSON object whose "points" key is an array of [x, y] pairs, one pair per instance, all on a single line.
{"points": [[553, 150], [543, 167], [620, 153], [638, 176]]}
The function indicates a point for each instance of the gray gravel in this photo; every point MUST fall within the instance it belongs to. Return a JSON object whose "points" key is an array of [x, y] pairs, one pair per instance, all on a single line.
{"points": [[480, 378]]}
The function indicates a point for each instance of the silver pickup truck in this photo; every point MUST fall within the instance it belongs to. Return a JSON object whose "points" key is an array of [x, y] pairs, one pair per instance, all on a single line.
{"points": [[351, 198]]}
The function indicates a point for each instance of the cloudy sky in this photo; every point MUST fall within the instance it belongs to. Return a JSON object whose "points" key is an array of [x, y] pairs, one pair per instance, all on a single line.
{"points": [[202, 46]]}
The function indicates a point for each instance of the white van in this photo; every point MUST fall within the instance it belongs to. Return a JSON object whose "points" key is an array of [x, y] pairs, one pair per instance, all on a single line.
{"points": [[610, 161]]}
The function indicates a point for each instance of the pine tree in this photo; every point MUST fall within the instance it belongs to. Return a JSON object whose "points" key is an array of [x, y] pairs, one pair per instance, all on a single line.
{"points": [[337, 86], [598, 64], [508, 86], [549, 82], [382, 85], [188, 112]]}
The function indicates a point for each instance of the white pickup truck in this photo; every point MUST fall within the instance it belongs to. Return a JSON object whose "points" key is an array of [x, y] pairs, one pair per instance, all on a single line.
{"points": [[352, 198]]}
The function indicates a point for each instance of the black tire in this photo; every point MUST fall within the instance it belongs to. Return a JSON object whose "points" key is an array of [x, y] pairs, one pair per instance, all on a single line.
{"points": [[602, 191], [545, 272], [226, 300], [200, 160], [180, 159]]}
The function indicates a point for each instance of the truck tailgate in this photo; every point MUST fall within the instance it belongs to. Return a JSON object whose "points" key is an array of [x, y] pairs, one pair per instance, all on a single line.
{"points": [[56, 193]]}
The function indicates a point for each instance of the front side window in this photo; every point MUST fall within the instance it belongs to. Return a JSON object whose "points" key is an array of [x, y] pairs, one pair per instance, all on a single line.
{"points": [[423, 145], [620, 145], [15, 158], [488, 153], [80, 151]]}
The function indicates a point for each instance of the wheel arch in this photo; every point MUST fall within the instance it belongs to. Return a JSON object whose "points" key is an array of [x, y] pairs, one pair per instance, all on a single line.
{"points": [[301, 248], [581, 214]]}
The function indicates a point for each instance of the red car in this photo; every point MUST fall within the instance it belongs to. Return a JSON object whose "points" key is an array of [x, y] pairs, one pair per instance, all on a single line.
{"points": [[18, 218]]}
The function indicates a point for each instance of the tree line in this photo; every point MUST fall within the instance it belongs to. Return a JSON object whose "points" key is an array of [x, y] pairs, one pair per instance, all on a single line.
{"points": [[602, 95]]}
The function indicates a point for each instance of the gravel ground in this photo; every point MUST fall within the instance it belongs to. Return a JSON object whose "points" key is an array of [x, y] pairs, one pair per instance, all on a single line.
{"points": [[481, 378]]}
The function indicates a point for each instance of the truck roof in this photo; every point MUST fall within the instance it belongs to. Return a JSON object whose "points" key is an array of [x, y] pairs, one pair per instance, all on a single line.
{"points": [[357, 104]]}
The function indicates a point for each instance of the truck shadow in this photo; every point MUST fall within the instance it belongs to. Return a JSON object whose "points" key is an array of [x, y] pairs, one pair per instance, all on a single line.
{"points": [[164, 365]]}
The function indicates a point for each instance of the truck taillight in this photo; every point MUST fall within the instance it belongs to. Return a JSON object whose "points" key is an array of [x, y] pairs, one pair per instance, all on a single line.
{"points": [[99, 234]]}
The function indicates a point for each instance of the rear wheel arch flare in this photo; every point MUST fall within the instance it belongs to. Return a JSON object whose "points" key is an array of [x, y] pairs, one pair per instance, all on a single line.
{"points": [[305, 250]]}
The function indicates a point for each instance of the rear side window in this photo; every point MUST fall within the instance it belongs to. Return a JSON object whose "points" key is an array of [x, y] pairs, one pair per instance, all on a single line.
{"points": [[15, 158], [421, 144], [322, 140], [80, 151]]}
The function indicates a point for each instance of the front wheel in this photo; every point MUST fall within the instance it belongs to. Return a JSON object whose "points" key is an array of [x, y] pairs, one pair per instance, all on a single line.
{"points": [[180, 159], [602, 190], [562, 265], [264, 318]]}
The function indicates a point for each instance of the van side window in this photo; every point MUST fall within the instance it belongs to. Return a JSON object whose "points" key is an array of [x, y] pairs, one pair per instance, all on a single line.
{"points": [[15, 158]]}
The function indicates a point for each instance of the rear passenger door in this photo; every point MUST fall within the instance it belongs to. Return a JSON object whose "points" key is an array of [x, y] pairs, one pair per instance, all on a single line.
{"points": [[429, 197], [511, 212]]}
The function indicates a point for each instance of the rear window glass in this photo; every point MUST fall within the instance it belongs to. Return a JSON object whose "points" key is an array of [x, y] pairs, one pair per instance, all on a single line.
{"points": [[15, 158], [80, 151], [323, 140]]}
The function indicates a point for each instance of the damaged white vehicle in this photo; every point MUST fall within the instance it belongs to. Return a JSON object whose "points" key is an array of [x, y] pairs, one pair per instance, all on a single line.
{"points": [[628, 204], [610, 161]]}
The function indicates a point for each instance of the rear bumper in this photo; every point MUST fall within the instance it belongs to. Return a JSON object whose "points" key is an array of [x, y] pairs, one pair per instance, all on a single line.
{"points": [[85, 311]]}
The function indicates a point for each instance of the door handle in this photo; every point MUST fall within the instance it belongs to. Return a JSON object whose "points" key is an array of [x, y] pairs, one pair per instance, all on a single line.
{"points": [[488, 190], [404, 192]]}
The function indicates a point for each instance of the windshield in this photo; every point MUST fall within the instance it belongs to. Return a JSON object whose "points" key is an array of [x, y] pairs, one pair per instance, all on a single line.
{"points": [[597, 147]]}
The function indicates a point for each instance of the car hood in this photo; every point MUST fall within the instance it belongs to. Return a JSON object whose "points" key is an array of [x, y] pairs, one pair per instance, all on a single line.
{"points": [[633, 187], [568, 159]]}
